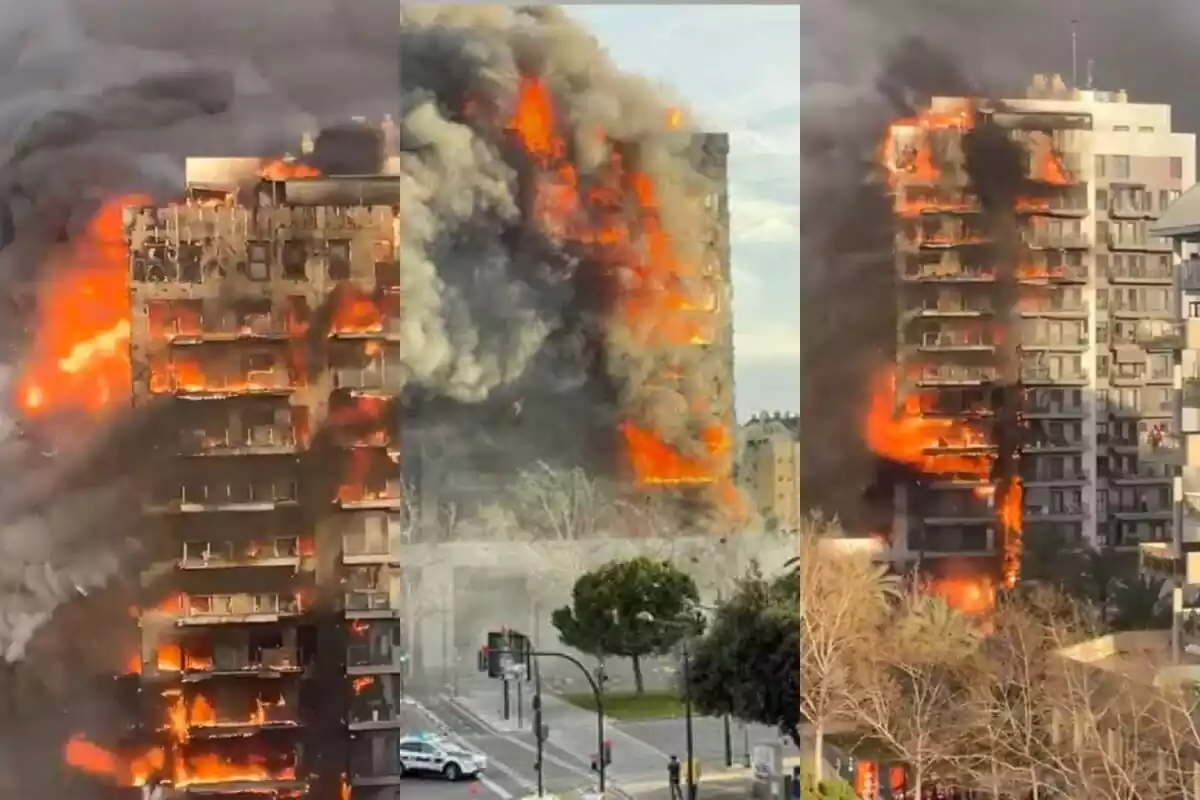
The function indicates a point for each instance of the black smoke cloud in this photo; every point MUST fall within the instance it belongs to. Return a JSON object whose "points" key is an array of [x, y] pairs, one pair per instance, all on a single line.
{"points": [[865, 62]]}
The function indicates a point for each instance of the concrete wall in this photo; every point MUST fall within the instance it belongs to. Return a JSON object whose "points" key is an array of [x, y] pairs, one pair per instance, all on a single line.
{"points": [[456, 592]]}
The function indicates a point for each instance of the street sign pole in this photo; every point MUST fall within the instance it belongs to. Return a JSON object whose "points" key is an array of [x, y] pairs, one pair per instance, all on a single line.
{"points": [[539, 731]]}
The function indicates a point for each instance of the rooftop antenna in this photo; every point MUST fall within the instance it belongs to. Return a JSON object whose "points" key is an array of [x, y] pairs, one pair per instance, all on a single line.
{"points": [[1074, 54]]}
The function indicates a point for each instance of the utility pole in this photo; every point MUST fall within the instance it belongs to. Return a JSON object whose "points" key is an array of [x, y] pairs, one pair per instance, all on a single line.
{"points": [[539, 731], [687, 722]]}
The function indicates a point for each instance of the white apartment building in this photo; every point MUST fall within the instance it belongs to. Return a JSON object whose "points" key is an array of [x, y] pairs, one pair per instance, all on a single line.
{"points": [[1098, 342]]}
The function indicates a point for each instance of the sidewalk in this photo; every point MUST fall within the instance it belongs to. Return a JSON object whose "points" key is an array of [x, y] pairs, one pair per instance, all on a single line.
{"points": [[572, 729]]}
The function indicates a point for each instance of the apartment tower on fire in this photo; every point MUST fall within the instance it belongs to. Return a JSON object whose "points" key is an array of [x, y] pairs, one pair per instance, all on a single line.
{"points": [[1040, 362], [263, 311]]}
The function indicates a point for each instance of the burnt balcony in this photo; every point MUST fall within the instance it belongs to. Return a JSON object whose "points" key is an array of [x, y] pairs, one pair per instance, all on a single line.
{"points": [[216, 371], [240, 766], [371, 592], [956, 341], [230, 709], [231, 652], [947, 272], [225, 609], [955, 375], [239, 491], [373, 538], [243, 426], [377, 702], [374, 648], [368, 367], [277, 552], [187, 322]]}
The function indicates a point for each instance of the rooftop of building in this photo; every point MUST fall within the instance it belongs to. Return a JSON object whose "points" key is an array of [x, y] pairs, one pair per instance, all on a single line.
{"points": [[1144, 656], [1181, 220]]}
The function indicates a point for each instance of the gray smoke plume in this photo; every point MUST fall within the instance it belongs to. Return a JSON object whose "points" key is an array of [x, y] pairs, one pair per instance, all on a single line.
{"points": [[483, 287], [865, 62]]}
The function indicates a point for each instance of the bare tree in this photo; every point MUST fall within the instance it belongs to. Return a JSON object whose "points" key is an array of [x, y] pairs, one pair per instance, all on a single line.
{"points": [[842, 605], [913, 683]]}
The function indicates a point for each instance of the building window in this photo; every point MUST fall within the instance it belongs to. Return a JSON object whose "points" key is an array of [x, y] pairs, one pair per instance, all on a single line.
{"points": [[1145, 129], [1120, 129], [1101, 299], [1102, 231], [1101, 198], [1100, 165], [1121, 167], [1176, 167]]}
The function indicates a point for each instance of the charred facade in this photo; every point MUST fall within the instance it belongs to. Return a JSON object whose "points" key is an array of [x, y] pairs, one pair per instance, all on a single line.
{"points": [[271, 635]]}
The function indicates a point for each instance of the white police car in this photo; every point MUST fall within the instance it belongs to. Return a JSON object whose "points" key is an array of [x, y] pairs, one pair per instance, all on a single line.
{"points": [[435, 755]]}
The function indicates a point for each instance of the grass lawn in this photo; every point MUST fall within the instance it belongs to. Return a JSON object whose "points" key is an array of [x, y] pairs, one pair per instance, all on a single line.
{"points": [[632, 706]]}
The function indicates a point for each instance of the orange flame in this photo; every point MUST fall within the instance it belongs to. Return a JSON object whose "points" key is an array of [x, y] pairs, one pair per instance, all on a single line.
{"points": [[88, 757], [360, 685], [282, 170], [79, 359], [663, 300], [907, 149]]}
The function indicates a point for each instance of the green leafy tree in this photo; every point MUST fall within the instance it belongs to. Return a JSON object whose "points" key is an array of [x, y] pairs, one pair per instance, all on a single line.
{"points": [[747, 664], [1141, 603], [631, 609]]}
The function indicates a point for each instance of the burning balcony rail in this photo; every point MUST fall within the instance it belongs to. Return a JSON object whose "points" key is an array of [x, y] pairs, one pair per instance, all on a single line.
{"points": [[282, 551], [1041, 273], [374, 646], [942, 232], [370, 366], [364, 420], [196, 770], [370, 478], [359, 313], [377, 701], [952, 539], [914, 201], [239, 652], [188, 321], [968, 402], [124, 769], [265, 372], [217, 608], [948, 272], [1069, 204], [187, 713], [914, 148]]}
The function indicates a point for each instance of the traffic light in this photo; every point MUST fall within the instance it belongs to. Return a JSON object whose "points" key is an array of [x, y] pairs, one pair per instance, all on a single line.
{"points": [[496, 645], [483, 659]]}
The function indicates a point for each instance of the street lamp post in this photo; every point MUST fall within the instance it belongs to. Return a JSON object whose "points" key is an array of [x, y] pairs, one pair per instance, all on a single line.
{"points": [[689, 742]]}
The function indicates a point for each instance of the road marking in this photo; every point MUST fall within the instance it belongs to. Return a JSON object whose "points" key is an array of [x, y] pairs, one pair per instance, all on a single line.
{"points": [[495, 788], [578, 769], [510, 773]]}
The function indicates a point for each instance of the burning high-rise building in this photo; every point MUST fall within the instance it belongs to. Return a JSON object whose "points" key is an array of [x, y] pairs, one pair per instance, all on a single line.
{"points": [[1033, 389]]}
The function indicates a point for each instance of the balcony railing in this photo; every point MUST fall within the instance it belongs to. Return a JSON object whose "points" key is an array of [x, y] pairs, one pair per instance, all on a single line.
{"points": [[1141, 275], [1043, 512], [1062, 241], [1049, 375], [955, 375]]}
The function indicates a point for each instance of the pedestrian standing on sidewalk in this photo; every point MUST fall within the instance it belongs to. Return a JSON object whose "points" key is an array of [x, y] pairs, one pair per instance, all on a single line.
{"points": [[673, 778]]}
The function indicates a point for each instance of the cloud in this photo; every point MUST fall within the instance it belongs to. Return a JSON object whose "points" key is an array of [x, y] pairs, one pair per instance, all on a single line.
{"points": [[737, 68]]}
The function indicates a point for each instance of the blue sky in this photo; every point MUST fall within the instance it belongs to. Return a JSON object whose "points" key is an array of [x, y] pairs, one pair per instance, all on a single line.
{"points": [[738, 67]]}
